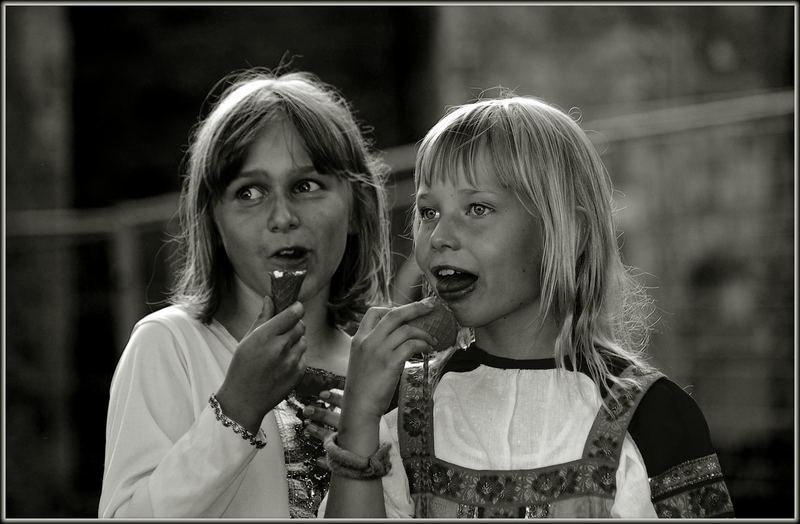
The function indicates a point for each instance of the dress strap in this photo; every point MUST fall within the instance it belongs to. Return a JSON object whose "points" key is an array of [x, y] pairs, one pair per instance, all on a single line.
{"points": [[415, 405], [610, 425]]}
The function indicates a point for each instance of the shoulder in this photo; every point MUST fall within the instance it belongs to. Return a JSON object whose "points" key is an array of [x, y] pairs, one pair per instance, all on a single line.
{"points": [[161, 335], [669, 428], [169, 317], [171, 322]]}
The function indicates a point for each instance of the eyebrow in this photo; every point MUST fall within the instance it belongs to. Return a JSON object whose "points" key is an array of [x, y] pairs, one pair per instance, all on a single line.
{"points": [[298, 171], [468, 192], [476, 191]]}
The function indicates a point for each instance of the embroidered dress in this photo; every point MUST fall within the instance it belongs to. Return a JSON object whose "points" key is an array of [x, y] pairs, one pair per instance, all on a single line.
{"points": [[308, 481], [582, 487]]}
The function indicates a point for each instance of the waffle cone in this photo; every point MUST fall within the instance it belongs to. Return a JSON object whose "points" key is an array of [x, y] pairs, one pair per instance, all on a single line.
{"points": [[440, 323], [285, 288]]}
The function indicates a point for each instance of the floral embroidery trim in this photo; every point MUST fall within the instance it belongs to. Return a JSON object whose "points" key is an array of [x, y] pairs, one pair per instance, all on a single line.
{"points": [[467, 511], [707, 501], [685, 474], [511, 488], [415, 425], [608, 431]]}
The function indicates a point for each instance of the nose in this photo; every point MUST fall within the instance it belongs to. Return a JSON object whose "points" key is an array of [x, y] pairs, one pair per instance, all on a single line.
{"points": [[282, 217], [444, 235]]}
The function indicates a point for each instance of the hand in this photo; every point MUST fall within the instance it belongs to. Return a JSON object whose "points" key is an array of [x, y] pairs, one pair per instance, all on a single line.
{"points": [[381, 346], [267, 363], [321, 421]]}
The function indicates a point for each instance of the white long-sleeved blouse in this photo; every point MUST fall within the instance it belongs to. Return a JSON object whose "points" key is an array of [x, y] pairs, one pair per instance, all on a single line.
{"points": [[166, 454]]}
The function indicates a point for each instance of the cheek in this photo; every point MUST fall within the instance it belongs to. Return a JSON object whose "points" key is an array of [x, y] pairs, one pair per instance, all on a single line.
{"points": [[333, 225], [421, 246], [518, 260]]}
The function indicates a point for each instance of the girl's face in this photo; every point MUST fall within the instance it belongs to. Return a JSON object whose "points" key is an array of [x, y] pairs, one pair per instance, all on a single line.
{"points": [[479, 248], [279, 213]]}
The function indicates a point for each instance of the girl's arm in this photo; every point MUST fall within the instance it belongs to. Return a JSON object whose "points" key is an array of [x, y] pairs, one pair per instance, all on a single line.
{"points": [[380, 349], [350, 497], [165, 456], [686, 479]]}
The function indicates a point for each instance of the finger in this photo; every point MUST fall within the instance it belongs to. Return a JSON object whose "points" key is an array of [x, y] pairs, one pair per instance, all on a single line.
{"points": [[321, 415], [295, 355], [289, 341], [406, 332], [280, 323], [267, 309], [333, 396], [318, 432], [409, 348], [321, 462], [400, 315], [371, 318]]}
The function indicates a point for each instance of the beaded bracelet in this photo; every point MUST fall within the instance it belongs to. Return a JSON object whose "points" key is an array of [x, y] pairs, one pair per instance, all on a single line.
{"points": [[235, 426], [348, 464]]}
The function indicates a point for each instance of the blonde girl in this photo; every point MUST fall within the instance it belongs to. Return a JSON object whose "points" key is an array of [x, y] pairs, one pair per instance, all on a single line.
{"points": [[552, 410]]}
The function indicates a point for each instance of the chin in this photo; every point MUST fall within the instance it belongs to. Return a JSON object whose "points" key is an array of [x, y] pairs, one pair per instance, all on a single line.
{"points": [[469, 317]]}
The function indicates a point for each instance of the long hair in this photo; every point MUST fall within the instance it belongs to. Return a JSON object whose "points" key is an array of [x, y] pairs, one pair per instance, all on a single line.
{"points": [[540, 154], [336, 146]]}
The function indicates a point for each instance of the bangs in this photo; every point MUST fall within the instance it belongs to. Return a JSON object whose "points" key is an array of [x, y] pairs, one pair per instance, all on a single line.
{"points": [[328, 133], [467, 141]]}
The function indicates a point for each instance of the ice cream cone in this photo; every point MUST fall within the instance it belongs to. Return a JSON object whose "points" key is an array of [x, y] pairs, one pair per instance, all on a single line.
{"points": [[285, 287]]}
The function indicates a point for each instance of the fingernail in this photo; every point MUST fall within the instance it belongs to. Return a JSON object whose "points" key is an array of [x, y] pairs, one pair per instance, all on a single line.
{"points": [[308, 410], [325, 394], [296, 308]]}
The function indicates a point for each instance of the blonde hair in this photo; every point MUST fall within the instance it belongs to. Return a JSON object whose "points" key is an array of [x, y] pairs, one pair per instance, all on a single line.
{"points": [[335, 145], [540, 154]]}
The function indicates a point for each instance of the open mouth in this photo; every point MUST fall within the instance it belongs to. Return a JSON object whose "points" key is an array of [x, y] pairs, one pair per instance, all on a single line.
{"points": [[290, 257], [453, 282]]}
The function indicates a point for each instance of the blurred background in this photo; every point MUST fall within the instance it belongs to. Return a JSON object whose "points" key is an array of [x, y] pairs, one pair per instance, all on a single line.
{"points": [[692, 107]]}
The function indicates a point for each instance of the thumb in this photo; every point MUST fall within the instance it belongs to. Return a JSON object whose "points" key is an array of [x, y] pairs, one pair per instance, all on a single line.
{"points": [[267, 309]]}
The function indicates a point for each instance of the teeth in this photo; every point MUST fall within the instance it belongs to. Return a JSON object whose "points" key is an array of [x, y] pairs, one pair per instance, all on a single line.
{"points": [[287, 252], [446, 272]]}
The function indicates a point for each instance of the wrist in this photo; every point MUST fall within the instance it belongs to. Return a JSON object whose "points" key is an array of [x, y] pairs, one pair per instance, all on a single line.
{"points": [[235, 426], [358, 432], [239, 410]]}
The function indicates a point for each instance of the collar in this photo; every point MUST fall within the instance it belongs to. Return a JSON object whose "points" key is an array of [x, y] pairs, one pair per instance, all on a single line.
{"points": [[473, 356]]}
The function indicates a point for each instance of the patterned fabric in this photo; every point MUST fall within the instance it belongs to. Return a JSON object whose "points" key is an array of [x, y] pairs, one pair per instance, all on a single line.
{"points": [[582, 488], [694, 489], [308, 481]]}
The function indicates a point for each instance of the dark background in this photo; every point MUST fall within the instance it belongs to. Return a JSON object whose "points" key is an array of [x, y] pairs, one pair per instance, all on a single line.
{"points": [[692, 107]]}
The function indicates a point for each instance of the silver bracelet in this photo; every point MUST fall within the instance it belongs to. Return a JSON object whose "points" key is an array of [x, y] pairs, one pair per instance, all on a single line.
{"points": [[235, 426]]}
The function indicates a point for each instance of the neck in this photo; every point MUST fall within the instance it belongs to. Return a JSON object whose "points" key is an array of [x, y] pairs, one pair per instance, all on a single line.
{"points": [[328, 346], [521, 334]]}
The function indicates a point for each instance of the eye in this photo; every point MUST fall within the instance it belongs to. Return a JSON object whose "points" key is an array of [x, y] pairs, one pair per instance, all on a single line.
{"points": [[307, 186], [250, 193], [479, 210], [428, 213]]}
